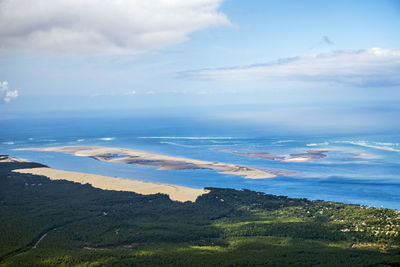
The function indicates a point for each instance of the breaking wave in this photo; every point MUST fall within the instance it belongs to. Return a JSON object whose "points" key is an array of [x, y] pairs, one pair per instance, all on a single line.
{"points": [[176, 144], [376, 145], [186, 137], [107, 138], [8, 143]]}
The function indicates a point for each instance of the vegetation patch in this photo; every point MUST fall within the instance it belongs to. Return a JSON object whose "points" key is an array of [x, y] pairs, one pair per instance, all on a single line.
{"points": [[48, 223]]}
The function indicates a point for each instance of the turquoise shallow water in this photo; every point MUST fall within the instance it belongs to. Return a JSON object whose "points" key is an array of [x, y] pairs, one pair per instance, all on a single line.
{"points": [[362, 168]]}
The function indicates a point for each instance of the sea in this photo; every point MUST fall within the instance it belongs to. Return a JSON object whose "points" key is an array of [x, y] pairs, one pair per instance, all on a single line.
{"points": [[359, 168]]}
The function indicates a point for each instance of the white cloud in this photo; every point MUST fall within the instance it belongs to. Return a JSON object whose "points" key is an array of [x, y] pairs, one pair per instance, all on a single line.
{"points": [[10, 95], [4, 86], [369, 67], [6, 94], [111, 26]]}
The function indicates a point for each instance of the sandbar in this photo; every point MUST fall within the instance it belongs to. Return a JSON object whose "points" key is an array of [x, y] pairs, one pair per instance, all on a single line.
{"points": [[308, 156], [261, 155], [301, 157], [175, 192], [297, 159], [164, 162]]}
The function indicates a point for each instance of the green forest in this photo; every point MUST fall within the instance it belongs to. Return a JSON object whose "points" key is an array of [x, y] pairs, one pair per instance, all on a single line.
{"points": [[61, 223]]}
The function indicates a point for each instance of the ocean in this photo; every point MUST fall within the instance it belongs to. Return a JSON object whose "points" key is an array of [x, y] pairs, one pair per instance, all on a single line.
{"points": [[355, 168]]}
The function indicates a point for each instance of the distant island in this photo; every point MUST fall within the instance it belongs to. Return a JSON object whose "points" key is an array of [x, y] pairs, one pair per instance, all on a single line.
{"points": [[58, 222]]}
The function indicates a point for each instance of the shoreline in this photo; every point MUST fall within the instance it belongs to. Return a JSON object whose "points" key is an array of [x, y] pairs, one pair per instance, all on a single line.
{"points": [[175, 192], [164, 162]]}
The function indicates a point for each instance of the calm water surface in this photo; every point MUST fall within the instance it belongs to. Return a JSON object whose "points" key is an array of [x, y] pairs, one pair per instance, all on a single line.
{"points": [[362, 168]]}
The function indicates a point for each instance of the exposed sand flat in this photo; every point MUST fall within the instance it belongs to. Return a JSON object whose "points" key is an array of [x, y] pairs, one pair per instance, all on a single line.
{"points": [[261, 155], [297, 159], [178, 193], [165, 162], [302, 157], [308, 156], [362, 155], [251, 174], [279, 172]]}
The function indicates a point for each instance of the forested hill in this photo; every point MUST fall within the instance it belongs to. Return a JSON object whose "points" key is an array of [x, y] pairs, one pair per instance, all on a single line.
{"points": [[53, 223]]}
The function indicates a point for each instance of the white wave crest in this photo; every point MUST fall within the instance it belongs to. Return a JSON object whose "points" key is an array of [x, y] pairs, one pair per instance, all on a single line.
{"points": [[186, 137], [375, 145], [176, 144], [283, 141], [318, 144], [8, 143], [107, 138]]}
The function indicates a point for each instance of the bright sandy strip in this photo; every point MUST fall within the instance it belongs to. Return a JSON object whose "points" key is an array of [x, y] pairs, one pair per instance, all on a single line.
{"points": [[178, 193], [298, 159]]}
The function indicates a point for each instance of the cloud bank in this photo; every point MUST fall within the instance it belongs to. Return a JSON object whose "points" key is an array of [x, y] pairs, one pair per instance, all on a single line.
{"points": [[369, 67], [5, 94], [107, 26]]}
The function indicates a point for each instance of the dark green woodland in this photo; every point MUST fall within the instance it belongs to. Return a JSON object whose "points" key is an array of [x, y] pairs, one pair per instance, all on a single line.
{"points": [[61, 223]]}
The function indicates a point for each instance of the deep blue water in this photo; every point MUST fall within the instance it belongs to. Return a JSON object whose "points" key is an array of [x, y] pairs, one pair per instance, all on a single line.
{"points": [[362, 169]]}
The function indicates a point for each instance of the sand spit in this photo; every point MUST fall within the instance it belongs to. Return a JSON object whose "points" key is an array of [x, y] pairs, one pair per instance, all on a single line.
{"points": [[177, 193], [165, 162]]}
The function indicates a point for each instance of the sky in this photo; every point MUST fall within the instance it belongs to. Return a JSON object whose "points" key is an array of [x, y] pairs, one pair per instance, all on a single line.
{"points": [[325, 62]]}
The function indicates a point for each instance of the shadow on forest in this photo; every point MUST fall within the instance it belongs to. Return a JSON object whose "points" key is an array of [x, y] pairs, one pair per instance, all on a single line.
{"points": [[226, 226]]}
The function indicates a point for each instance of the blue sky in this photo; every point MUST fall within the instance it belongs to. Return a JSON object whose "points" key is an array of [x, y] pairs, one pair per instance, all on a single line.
{"points": [[76, 55]]}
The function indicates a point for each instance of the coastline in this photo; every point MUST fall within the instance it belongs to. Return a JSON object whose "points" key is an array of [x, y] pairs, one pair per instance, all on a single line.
{"points": [[238, 226], [175, 192], [164, 162]]}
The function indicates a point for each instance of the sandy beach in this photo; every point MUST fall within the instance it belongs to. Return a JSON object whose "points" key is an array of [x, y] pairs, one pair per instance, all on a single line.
{"points": [[165, 162], [177, 193]]}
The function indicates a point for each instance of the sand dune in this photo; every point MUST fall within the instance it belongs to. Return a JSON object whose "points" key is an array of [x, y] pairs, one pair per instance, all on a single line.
{"points": [[5, 158], [177, 193]]}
